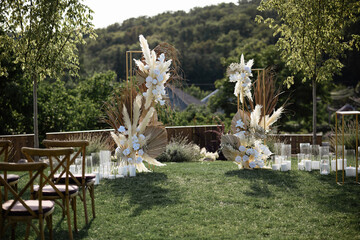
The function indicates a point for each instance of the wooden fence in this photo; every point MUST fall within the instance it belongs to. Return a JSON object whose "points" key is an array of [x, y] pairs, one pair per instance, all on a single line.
{"points": [[205, 136]]}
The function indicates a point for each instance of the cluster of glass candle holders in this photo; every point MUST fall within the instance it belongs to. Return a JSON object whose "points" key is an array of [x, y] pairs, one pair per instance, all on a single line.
{"points": [[103, 166], [315, 157]]}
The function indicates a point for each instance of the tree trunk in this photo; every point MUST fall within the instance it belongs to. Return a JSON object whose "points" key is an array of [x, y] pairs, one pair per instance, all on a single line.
{"points": [[314, 109], [36, 129]]}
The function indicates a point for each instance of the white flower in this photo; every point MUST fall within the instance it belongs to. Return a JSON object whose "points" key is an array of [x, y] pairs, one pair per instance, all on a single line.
{"points": [[252, 164], [239, 123], [139, 160], [121, 129], [142, 137], [160, 78], [126, 151], [135, 138], [250, 151], [148, 84], [240, 134], [149, 79], [245, 158], [242, 148], [141, 152], [156, 72], [136, 146]]}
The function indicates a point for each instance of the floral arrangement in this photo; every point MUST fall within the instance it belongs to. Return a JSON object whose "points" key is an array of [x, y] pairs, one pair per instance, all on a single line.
{"points": [[156, 70], [241, 73], [137, 142], [246, 145]]}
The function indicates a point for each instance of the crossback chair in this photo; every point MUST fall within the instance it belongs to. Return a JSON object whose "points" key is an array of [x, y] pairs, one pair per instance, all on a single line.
{"points": [[12, 179], [59, 160], [19, 209], [83, 180]]}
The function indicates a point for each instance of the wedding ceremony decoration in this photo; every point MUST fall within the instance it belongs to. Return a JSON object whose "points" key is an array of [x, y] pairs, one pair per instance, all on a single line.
{"points": [[240, 73], [245, 146], [136, 141], [156, 70]]}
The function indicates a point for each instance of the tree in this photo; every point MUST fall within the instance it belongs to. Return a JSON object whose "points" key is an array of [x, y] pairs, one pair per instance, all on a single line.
{"points": [[311, 37], [43, 36]]}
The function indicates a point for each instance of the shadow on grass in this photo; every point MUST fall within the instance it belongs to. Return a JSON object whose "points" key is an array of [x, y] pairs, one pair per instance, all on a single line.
{"points": [[279, 179], [144, 192], [337, 197]]}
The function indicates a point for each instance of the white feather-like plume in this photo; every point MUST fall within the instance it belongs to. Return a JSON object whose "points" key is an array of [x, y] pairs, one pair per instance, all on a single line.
{"points": [[255, 116]]}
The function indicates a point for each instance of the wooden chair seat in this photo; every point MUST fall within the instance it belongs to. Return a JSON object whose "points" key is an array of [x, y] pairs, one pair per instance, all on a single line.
{"points": [[11, 178], [88, 178], [49, 191], [20, 210]]}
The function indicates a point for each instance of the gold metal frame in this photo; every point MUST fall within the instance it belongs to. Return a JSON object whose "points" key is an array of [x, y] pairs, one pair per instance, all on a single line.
{"points": [[342, 114], [263, 82], [130, 74]]}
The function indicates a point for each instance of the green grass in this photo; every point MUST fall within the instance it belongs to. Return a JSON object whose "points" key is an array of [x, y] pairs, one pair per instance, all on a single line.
{"points": [[217, 201]]}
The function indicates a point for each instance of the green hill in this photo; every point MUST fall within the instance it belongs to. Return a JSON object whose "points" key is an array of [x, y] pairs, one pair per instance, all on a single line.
{"points": [[202, 36]]}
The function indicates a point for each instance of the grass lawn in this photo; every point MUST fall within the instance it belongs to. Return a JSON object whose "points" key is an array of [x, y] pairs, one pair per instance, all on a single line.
{"points": [[217, 201]]}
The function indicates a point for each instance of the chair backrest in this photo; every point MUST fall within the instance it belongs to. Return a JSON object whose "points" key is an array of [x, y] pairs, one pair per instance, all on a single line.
{"points": [[79, 144], [59, 159], [4, 149], [35, 170]]}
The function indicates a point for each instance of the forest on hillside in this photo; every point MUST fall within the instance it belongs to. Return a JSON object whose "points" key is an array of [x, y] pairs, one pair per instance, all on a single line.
{"points": [[204, 38], [207, 39]]}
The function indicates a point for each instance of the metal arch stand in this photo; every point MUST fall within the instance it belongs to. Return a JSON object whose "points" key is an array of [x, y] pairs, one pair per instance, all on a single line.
{"points": [[342, 114]]}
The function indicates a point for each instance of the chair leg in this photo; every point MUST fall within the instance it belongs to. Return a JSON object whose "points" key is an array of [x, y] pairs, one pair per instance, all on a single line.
{"points": [[92, 196], [68, 217], [84, 203], [27, 230], [13, 227], [74, 211], [41, 227], [49, 226]]}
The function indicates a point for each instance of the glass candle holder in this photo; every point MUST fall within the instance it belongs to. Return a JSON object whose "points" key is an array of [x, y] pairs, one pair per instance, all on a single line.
{"points": [[300, 158]]}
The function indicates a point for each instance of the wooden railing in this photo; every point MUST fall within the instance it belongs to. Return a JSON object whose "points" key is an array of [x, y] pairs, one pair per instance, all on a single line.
{"points": [[203, 135]]}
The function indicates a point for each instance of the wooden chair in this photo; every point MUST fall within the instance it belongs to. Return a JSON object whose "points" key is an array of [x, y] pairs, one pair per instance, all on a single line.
{"points": [[12, 179], [83, 180], [20, 210], [59, 160]]}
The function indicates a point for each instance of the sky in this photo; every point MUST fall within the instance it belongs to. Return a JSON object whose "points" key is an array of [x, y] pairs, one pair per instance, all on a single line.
{"points": [[108, 12]]}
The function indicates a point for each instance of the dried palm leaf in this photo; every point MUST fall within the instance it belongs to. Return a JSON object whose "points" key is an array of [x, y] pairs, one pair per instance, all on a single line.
{"points": [[156, 140], [244, 116], [230, 140], [229, 152]]}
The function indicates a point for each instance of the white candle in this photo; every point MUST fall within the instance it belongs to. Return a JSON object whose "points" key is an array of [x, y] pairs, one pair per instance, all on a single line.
{"points": [[276, 167], [350, 171], [288, 165], [340, 164], [307, 165], [97, 179], [324, 169], [333, 165], [315, 165], [301, 166], [284, 167]]}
